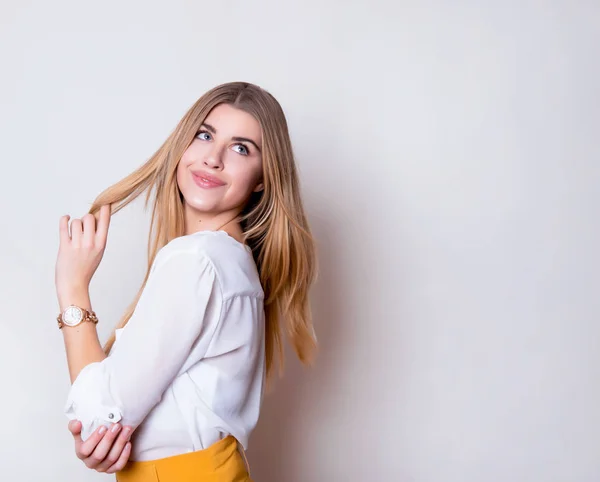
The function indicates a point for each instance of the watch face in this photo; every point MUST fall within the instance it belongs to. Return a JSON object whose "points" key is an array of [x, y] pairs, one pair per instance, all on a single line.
{"points": [[72, 316]]}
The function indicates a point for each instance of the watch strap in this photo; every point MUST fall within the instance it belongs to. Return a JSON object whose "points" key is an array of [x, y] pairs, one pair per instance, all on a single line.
{"points": [[88, 315]]}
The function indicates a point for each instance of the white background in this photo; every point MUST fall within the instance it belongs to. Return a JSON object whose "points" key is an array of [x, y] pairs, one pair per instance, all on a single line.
{"points": [[450, 166]]}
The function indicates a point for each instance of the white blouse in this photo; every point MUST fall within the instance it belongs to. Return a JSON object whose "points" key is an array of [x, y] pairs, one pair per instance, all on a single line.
{"points": [[188, 369]]}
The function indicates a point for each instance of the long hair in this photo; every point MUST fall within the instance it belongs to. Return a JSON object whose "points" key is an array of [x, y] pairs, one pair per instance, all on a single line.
{"points": [[273, 221]]}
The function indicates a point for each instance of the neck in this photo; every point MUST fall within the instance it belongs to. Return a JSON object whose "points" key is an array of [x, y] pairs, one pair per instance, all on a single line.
{"points": [[196, 221]]}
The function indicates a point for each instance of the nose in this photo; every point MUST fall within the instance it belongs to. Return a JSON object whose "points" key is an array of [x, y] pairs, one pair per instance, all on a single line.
{"points": [[214, 158]]}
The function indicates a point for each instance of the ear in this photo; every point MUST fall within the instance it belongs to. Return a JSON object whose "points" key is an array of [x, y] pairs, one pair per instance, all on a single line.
{"points": [[259, 187]]}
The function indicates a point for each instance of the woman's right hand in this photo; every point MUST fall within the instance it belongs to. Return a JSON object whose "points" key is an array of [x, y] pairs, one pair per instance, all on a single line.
{"points": [[106, 450]]}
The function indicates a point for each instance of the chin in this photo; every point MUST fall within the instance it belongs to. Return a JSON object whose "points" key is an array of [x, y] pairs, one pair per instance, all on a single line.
{"points": [[200, 207]]}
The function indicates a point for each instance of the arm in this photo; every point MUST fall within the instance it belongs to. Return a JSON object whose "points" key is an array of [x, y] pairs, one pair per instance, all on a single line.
{"points": [[81, 249], [180, 303], [80, 252]]}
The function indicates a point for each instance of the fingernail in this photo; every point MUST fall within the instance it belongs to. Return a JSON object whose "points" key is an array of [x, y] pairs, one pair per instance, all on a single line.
{"points": [[116, 428], [102, 430]]}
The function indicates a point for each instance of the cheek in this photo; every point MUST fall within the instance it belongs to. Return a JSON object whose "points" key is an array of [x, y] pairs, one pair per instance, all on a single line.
{"points": [[196, 151], [188, 156], [181, 167], [186, 161], [246, 179]]}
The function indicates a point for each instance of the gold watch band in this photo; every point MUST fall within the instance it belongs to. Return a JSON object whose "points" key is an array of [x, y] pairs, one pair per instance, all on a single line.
{"points": [[87, 316]]}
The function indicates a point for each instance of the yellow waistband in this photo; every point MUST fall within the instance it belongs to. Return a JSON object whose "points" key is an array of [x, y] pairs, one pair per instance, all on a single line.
{"points": [[221, 462]]}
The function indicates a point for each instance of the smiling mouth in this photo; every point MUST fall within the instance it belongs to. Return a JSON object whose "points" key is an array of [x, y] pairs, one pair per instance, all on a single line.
{"points": [[204, 182]]}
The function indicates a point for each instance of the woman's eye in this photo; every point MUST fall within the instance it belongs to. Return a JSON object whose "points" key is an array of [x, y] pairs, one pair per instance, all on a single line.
{"points": [[205, 136], [242, 149]]}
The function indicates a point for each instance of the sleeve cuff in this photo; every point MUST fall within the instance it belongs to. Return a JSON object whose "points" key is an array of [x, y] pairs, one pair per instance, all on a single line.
{"points": [[90, 402]]}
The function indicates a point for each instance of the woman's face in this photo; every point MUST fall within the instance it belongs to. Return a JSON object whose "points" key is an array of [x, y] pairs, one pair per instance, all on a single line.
{"points": [[223, 165]]}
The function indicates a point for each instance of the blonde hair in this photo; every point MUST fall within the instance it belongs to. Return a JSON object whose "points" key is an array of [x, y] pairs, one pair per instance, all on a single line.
{"points": [[273, 221]]}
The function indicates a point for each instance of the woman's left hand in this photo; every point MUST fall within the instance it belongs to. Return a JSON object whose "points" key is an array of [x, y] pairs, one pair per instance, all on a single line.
{"points": [[80, 251]]}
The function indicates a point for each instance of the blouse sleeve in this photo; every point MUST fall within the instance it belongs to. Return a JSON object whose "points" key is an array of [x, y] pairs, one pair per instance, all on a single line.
{"points": [[179, 298]]}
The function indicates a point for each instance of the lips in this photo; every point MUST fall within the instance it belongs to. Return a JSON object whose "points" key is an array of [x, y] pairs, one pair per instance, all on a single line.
{"points": [[206, 180]]}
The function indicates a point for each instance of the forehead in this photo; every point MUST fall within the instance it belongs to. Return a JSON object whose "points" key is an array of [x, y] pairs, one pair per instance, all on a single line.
{"points": [[232, 122]]}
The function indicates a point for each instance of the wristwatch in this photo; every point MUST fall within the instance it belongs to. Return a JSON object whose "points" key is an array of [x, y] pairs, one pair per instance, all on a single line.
{"points": [[74, 315]]}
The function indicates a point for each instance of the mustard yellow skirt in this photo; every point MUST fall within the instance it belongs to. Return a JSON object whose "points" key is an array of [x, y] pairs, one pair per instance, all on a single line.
{"points": [[221, 462]]}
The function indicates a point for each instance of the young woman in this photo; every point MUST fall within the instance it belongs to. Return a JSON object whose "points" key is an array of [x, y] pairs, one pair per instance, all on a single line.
{"points": [[178, 387]]}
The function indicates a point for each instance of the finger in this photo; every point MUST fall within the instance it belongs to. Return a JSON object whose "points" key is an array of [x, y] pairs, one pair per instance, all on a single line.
{"points": [[101, 451], [75, 427], [120, 464], [103, 225], [84, 449], [116, 450], [63, 229], [89, 229], [76, 231]]}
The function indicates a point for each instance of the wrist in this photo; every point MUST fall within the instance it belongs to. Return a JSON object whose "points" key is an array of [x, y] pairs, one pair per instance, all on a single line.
{"points": [[75, 296]]}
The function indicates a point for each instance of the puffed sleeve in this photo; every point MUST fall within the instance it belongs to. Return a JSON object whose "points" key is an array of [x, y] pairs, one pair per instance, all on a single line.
{"points": [[178, 307]]}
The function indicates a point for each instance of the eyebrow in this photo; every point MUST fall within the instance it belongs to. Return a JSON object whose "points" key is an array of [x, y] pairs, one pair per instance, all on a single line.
{"points": [[237, 139]]}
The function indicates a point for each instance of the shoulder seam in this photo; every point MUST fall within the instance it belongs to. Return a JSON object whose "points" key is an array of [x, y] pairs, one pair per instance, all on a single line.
{"points": [[246, 294]]}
